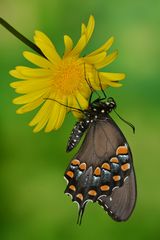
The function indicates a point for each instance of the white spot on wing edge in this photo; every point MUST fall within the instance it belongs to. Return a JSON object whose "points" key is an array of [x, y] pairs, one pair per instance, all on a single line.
{"points": [[103, 195], [87, 201], [106, 206], [66, 180], [77, 203], [125, 178], [68, 194], [115, 188]]}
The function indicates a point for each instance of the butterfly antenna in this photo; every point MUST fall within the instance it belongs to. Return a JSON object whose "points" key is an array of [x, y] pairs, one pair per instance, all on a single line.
{"points": [[75, 109], [128, 123], [90, 86], [104, 94]]}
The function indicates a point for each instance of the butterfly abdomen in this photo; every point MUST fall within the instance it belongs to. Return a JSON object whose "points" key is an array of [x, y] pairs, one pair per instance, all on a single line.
{"points": [[76, 134]]}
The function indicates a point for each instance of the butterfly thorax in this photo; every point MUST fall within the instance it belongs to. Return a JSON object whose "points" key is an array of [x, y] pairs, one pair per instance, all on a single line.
{"points": [[97, 110]]}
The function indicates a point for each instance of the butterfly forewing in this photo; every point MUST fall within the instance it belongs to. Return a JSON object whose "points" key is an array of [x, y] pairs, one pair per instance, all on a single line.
{"points": [[100, 169]]}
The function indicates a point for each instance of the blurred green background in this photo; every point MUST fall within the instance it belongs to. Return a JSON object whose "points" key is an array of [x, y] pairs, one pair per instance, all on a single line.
{"points": [[32, 203]]}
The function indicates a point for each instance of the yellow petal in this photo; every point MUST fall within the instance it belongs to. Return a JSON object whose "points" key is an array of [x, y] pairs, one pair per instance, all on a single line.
{"points": [[43, 115], [107, 60], [103, 82], [43, 37], [49, 53], [32, 86], [61, 116], [111, 76], [37, 82], [47, 47], [70, 103], [33, 72], [95, 59], [83, 103], [104, 47], [68, 44], [17, 84], [55, 119], [76, 113], [83, 29], [91, 76], [80, 46], [37, 60], [90, 27], [30, 97], [114, 84], [16, 74], [86, 91], [30, 106]]}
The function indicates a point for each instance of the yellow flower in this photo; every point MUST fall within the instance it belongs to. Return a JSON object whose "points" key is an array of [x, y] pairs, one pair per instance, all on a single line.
{"points": [[63, 79]]}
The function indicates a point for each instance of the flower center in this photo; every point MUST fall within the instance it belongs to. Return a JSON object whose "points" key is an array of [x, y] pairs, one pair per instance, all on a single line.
{"points": [[69, 76]]}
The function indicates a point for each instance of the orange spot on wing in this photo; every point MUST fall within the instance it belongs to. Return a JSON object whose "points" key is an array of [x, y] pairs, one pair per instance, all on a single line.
{"points": [[97, 171], [106, 166], [122, 150], [75, 162], [114, 160], [116, 178], [92, 193], [104, 188], [125, 167], [70, 174], [72, 187], [80, 196], [82, 166]]}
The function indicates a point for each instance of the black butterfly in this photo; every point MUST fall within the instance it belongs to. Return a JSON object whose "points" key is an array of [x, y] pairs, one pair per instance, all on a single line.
{"points": [[102, 170]]}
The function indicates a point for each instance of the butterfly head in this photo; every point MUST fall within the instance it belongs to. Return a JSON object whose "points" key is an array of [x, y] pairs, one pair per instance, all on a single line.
{"points": [[110, 103]]}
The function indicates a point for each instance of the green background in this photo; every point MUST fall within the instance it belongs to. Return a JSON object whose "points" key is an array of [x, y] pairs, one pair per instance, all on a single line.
{"points": [[32, 203]]}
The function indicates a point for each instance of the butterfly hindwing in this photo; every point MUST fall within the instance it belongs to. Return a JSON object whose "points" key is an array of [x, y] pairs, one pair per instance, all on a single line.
{"points": [[121, 202], [100, 169]]}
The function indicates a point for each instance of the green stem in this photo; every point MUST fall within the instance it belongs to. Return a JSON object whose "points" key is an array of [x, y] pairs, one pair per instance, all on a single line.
{"points": [[21, 37]]}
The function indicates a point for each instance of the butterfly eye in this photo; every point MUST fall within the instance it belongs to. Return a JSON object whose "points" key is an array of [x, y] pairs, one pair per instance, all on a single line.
{"points": [[112, 105]]}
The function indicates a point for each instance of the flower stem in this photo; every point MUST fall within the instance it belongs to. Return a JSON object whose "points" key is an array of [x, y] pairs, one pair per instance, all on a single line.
{"points": [[21, 37]]}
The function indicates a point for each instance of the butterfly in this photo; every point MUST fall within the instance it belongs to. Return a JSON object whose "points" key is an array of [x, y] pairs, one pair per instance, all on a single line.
{"points": [[102, 170]]}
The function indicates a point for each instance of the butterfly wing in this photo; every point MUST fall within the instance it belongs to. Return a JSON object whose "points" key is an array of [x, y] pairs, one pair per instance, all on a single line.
{"points": [[100, 169], [121, 202]]}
